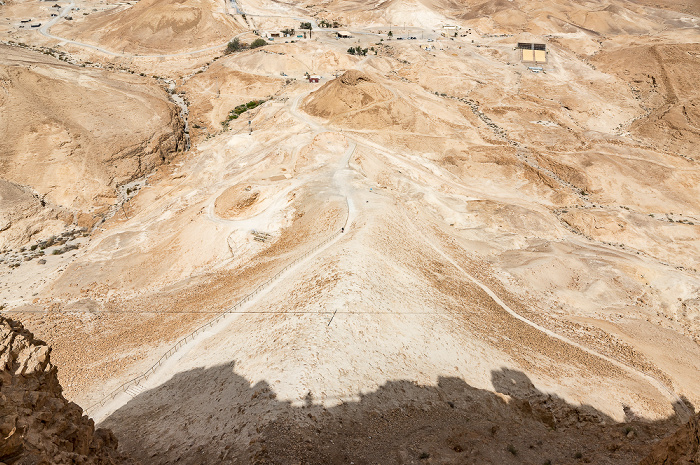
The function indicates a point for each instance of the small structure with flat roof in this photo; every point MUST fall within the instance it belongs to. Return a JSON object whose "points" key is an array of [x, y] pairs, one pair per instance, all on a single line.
{"points": [[531, 52]]}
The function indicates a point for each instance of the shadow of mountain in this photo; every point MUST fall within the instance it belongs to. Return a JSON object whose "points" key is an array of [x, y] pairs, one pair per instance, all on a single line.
{"points": [[215, 416]]}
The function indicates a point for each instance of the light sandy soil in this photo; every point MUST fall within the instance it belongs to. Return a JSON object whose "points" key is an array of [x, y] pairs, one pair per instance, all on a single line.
{"points": [[154, 27], [519, 248], [73, 136]]}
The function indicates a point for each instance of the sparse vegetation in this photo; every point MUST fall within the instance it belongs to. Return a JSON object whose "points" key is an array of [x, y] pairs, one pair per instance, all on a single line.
{"points": [[236, 46], [240, 109], [511, 448], [327, 24], [233, 46], [258, 43], [357, 51]]}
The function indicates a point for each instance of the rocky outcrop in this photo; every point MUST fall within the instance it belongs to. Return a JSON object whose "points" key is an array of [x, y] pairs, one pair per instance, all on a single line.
{"points": [[681, 448], [37, 424]]}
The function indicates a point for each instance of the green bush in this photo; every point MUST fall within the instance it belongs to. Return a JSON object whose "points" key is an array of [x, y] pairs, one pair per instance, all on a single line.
{"points": [[357, 51], [233, 46], [258, 43], [240, 109]]}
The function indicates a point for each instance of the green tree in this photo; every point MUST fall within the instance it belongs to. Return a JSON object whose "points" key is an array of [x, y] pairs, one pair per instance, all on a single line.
{"points": [[391, 34], [233, 46], [258, 43]]}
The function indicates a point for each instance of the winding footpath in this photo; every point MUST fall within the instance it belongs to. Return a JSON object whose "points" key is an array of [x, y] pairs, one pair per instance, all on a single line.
{"points": [[341, 176], [168, 364], [657, 384]]}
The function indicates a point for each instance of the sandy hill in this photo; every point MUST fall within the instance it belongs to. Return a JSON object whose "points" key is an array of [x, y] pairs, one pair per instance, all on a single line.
{"points": [[74, 134], [419, 13], [156, 26], [214, 93], [558, 16], [513, 16], [353, 91], [363, 102], [440, 256], [664, 78], [685, 6]]}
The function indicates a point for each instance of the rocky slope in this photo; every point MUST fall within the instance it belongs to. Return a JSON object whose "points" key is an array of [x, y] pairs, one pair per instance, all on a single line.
{"points": [[682, 448], [38, 424], [75, 134]]}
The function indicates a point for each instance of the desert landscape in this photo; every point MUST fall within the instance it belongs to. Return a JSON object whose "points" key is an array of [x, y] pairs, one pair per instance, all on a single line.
{"points": [[408, 231]]}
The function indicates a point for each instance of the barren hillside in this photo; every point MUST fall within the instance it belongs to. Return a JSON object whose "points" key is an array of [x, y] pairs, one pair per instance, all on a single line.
{"points": [[156, 26], [73, 135], [440, 252]]}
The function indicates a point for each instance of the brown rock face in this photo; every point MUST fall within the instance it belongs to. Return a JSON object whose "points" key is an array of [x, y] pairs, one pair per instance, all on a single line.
{"points": [[681, 448], [37, 424]]}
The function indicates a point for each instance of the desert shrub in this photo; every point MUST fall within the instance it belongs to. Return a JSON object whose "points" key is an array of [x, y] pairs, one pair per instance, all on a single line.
{"points": [[233, 46], [358, 51], [258, 43]]}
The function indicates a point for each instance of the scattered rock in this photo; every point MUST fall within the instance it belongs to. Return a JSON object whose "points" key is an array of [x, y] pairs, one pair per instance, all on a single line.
{"points": [[681, 448]]}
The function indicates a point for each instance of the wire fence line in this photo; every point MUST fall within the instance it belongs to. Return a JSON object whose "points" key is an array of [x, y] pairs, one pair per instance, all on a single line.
{"points": [[232, 310]]}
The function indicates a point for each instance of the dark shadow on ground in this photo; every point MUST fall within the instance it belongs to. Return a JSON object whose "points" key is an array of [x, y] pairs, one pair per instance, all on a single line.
{"points": [[211, 416]]}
